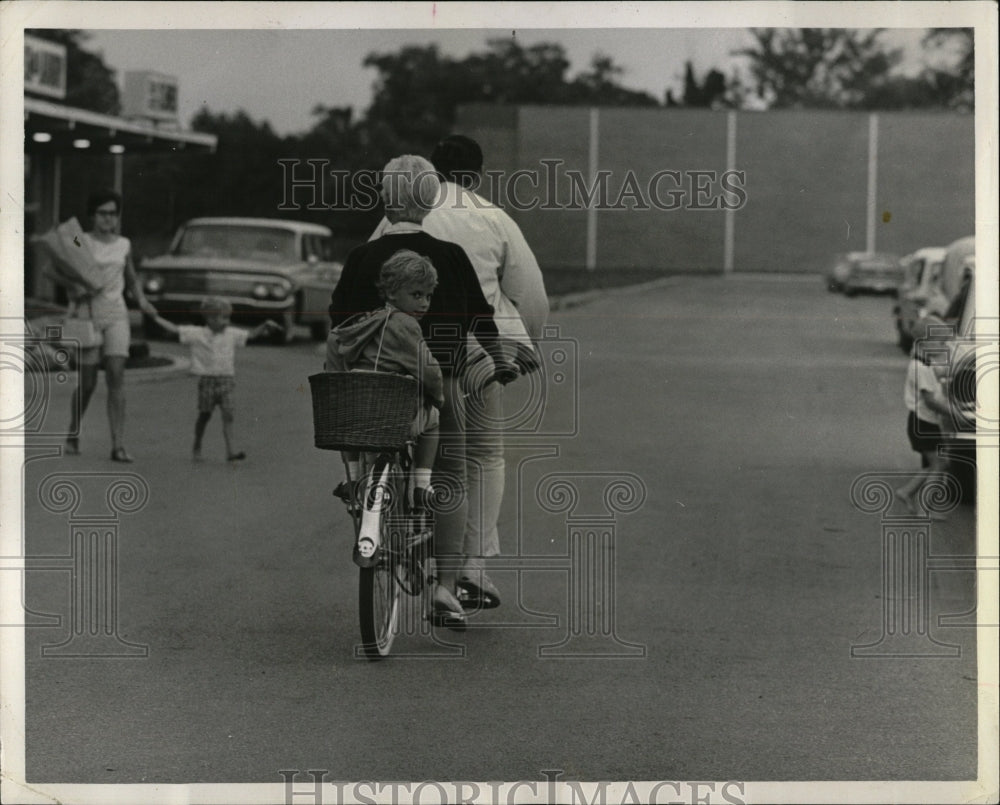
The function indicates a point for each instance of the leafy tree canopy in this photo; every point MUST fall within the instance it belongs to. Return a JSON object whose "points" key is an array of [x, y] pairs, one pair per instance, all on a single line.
{"points": [[418, 89], [817, 67], [954, 72], [710, 93], [848, 69]]}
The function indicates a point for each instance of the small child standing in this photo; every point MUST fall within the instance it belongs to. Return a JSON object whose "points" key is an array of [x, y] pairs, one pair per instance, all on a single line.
{"points": [[928, 409], [390, 340], [213, 361]]}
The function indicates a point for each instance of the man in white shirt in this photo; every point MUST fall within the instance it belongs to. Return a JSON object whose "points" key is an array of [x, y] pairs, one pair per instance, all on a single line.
{"points": [[512, 283]]}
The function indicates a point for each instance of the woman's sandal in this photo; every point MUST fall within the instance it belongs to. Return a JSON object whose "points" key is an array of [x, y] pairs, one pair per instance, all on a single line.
{"points": [[446, 610], [481, 595], [120, 455]]}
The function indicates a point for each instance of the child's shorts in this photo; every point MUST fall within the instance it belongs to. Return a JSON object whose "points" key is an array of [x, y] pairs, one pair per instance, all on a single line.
{"points": [[215, 390], [427, 417], [924, 436]]}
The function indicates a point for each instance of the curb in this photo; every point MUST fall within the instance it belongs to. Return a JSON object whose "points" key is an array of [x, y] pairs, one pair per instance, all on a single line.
{"points": [[177, 366], [583, 297], [571, 300]]}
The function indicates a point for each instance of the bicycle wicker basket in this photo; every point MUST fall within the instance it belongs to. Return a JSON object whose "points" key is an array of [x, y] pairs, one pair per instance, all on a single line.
{"points": [[362, 410]]}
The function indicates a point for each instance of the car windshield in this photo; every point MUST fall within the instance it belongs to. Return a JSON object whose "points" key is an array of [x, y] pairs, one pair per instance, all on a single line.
{"points": [[256, 242]]}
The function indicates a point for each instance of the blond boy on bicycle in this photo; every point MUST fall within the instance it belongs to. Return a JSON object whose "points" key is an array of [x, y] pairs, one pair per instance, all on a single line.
{"points": [[389, 340]]}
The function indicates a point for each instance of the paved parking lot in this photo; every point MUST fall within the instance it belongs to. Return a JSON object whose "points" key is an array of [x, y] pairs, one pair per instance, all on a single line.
{"points": [[730, 418]]}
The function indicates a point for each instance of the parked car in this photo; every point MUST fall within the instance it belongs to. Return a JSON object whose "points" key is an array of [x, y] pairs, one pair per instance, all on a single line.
{"points": [[854, 272], [954, 272], [266, 268], [919, 292], [962, 381]]}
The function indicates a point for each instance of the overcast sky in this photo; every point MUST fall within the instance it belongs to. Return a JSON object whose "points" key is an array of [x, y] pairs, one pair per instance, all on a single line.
{"points": [[279, 75]]}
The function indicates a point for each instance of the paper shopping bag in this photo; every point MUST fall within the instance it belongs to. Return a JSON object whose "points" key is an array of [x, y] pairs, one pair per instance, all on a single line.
{"points": [[73, 263]]}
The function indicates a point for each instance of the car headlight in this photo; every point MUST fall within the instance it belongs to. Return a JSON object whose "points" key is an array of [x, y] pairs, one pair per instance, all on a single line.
{"points": [[279, 290], [153, 284], [261, 291]]}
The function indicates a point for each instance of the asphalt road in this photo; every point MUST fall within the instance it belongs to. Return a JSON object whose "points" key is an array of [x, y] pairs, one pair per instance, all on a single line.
{"points": [[714, 593]]}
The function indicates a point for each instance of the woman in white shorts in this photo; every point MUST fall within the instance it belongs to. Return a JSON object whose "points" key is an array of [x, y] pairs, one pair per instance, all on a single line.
{"points": [[106, 307]]}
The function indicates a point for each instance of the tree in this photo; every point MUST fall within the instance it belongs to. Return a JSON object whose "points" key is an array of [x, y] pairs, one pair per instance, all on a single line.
{"points": [[90, 83], [242, 177], [418, 89], [954, 77], [509, 73], [818, 67], [601, 86], [711, 93], [413, 98]]}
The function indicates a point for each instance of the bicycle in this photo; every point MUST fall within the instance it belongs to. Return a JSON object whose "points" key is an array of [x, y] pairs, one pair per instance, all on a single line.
{"points": [[370, 413]]}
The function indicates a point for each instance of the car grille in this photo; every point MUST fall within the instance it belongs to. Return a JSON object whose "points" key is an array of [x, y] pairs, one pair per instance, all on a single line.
{"points": [[201, 282]]}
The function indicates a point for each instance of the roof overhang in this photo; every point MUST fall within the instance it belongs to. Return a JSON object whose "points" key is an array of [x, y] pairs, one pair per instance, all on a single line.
{"points": [[69, 128]]}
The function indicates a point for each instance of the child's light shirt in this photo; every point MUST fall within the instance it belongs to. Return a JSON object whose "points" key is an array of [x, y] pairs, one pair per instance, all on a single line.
{"points": [[921, 377], [213, 354]]}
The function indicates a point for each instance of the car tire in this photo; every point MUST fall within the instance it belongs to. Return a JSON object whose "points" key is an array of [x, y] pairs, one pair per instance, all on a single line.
{"points": [[150, 328], [287, 333], [904, 339], [319, 330]]}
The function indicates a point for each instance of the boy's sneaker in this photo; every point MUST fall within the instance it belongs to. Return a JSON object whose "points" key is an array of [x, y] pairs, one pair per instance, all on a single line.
{"points": [[423, 497], [343, 491]]}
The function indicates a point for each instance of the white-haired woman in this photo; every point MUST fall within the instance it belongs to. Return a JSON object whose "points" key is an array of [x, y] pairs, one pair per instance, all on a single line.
{"points": [[458, 309]]}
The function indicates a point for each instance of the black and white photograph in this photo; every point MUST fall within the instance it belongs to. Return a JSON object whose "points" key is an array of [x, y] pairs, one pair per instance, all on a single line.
{"points": [[499, 403]]}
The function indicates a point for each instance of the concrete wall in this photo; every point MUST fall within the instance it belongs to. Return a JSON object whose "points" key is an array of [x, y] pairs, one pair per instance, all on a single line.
{"points": [[927, 179], [806, 184]]}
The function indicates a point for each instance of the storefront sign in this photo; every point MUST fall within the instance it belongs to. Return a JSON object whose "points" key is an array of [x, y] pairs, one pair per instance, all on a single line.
{"points": [[44, 67], [150, 95]]}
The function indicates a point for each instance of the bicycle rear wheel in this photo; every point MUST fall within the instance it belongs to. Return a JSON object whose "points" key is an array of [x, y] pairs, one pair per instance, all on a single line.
{"points": [[378, 590]]}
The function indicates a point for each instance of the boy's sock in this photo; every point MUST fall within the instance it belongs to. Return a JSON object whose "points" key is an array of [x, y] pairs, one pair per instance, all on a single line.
{"points": [[354, 469], [422, 478]]}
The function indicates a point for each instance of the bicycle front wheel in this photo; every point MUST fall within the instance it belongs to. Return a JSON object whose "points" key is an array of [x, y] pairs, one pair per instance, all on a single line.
{"points": [[378, 591], [378, 606]]}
